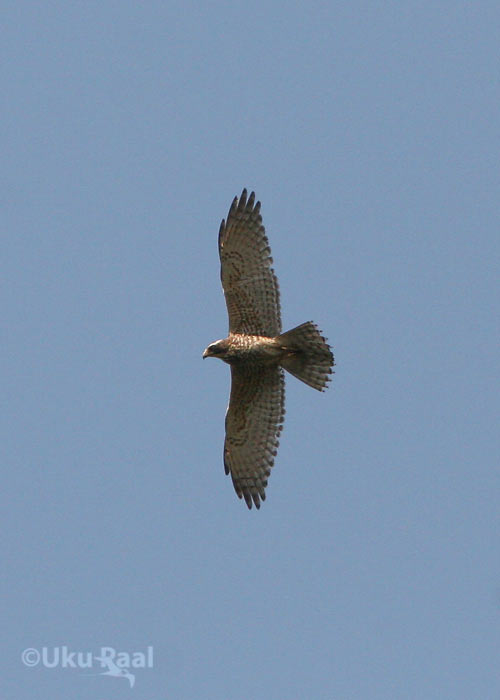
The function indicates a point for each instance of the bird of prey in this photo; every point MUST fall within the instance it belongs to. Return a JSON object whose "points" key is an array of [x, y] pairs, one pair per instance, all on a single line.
{"points": [[257, 351]]}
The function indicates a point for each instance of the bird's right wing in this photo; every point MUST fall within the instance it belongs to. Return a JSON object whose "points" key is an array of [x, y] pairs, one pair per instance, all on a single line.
{"points": [[254, 420]]}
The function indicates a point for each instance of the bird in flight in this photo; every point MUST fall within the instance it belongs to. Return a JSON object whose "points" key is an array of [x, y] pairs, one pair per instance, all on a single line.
{"points": [[257, 351]]}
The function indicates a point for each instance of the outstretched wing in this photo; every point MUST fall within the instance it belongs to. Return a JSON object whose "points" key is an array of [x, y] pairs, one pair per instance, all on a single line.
{"points": [[249, 283], [254, 420]]}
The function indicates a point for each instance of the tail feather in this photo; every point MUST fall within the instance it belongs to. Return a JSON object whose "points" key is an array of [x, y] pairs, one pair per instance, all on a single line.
{"points": [[308, 356]]}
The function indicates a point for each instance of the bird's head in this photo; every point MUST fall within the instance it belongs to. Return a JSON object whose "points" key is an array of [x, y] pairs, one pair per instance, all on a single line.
{"points": [[217, 349]]}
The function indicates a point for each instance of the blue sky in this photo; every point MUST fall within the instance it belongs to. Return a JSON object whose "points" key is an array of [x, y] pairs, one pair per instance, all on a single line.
{"points": [[370, 133]]}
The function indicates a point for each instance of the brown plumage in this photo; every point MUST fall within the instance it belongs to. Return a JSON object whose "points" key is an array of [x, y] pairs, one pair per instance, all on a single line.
{"points": [[257, 351]]}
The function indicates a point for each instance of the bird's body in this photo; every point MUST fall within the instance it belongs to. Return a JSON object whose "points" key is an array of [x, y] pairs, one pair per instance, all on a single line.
{"points": [[237, 348], [257, 351]]}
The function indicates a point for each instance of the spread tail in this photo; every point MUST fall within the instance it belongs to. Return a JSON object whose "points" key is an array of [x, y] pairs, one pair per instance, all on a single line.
{"points": [[308, 355]]}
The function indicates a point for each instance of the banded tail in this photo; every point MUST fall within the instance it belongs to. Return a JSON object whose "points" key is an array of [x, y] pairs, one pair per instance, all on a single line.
{"points": [[308, 356]]}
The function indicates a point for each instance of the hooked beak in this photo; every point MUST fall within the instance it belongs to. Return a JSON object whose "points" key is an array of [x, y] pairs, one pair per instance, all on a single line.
{"points": [[206, 354]]}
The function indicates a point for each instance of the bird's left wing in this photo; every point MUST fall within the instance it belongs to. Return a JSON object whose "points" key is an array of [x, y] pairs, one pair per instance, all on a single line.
{"points": [[249, 283], [254, 420]]}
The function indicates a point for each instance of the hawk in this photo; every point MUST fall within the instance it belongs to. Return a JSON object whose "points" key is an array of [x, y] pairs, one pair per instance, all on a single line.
{"points": [[257, 351]]}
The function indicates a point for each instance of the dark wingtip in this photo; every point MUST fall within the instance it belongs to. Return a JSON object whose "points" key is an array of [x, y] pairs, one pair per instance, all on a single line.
{"points": [[245, 201], [248, 500], [242, 202]]}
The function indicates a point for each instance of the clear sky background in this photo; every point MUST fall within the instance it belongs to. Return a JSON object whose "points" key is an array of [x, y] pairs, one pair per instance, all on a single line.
{"points": [[370, 133]]}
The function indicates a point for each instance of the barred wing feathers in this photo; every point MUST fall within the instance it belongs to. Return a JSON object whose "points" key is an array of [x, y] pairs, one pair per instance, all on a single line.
{"points": [[254, 420], [248, 280]]}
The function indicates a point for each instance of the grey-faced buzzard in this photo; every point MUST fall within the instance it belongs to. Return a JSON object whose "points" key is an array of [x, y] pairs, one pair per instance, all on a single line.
{"points": [[256, 351]]}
